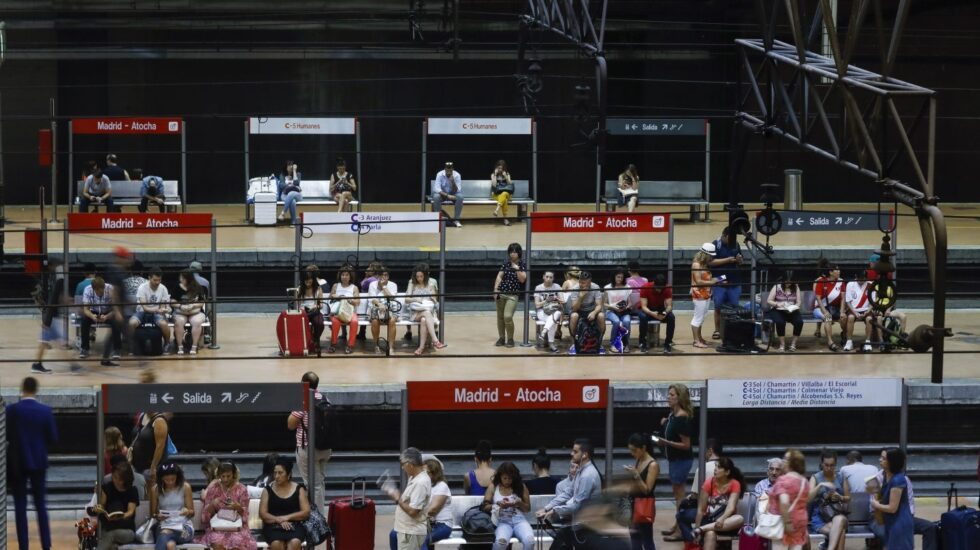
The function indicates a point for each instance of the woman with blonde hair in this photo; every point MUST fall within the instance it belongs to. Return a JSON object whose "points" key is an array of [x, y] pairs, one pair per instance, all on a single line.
{"points": [[114, 445], [676, 441], [701, 283]]}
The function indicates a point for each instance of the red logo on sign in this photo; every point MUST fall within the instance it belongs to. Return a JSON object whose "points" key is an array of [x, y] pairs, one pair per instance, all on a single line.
{"points": [[139, 223], [126, 125], [507, 395], [576, 222]]}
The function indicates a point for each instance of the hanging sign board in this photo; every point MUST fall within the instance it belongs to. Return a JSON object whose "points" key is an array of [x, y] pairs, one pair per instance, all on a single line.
{"points": [[371, 222], [801, 220], [138, 223], [126, 125], [282, 125], [203, 398], [476, 395], [598, 222], [656, 126], [801, 393], [480, 126]]}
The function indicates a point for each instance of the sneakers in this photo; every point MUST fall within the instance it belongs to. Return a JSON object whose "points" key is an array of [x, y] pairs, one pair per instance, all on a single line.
{"points": [[500, 342], [571, 349], [83, 354], [509, 344], [541, 341], [617, 343], [849, 346], [602, 350], [180, 350], [668, 348], [40, 369], [506, 222], [193, 350], [457, 224], [554, 348], [643, 347], [866, 348], [106, 363]]}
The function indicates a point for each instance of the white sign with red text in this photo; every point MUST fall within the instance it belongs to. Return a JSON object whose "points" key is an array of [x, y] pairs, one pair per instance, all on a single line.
{"points": [[280, 125], [480, 126], [576, 222]]}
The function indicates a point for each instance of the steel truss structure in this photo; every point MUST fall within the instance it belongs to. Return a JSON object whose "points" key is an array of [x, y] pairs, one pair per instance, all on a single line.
{"points": [[787, 90]]}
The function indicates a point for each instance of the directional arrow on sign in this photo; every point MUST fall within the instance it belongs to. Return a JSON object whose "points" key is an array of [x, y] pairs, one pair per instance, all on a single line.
{"points": [[226, 397], [167, 398], [634, 126], [799, 221]]}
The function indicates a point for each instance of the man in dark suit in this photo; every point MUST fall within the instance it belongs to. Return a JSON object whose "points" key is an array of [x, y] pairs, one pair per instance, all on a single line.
{"points": [[31, 430]]}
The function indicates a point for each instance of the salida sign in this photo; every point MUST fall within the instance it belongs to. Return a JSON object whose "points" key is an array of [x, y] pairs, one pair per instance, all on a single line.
{"points": [[120, 125], [139, 223], [576, 222], [507, 395]]}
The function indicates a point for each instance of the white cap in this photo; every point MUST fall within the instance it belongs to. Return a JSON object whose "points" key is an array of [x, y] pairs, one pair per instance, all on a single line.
{"points": [[708, 248]]}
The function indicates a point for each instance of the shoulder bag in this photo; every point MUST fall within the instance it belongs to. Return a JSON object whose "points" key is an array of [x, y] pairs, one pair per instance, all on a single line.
{"points": [[345, 311], [144, 534], [768, 525]]}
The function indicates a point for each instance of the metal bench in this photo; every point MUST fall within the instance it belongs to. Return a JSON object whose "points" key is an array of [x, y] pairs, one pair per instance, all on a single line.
{"points": [[478, 192], [315, 192], [127, 193], [460, 504], [683, 193]]}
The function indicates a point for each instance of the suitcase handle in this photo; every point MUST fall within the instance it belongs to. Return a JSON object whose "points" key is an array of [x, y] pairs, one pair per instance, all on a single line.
{"points": [[358, 503], [952, 493]]}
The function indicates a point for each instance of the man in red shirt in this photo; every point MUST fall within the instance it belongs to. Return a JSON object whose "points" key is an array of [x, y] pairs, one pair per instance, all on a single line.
{"points": [[657, 302]]}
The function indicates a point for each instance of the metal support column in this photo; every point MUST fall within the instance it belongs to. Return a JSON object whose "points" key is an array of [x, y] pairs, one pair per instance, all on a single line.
{"points": [[65, 298], [3, 473], [297, 252], [71, 168], [442, 278], [670, 250], [707, 170], [183, 166], [99, 438], [610, 394], [903, 419], [534, 167], [357, 155], [702, 430], [247, 209], [527, 281], [598, 180], [425, 140], [311, 446], [54, 162], [403, 429], [214, 285]]}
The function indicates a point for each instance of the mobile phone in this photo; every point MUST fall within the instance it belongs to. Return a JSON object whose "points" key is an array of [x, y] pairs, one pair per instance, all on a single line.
{"points": [[722, 277], [654, 438]]}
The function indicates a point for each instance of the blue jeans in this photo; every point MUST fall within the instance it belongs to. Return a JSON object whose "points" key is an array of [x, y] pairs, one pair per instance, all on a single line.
{"points": [[617, 319], [289, 204], [179, 537], [437, 201], [670, 321], [84, 203], [440, 531], [518, 527], [725, 294], [19, 489]]}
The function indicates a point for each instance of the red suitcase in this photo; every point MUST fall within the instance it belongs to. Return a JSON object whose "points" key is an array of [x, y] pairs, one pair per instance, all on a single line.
{"points": [[294, 333], [351, 519], [748, 540]]}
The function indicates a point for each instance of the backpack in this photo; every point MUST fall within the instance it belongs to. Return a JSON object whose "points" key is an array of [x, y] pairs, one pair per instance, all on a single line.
{"points": [[148, 339], [326, 424], [586, 337], [477, 525]]}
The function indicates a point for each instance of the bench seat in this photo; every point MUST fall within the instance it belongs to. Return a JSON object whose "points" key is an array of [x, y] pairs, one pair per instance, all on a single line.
{"points": [[315, 192], [477, 192], [667, 193], [127, 193], [653, 328], [460, 504]]}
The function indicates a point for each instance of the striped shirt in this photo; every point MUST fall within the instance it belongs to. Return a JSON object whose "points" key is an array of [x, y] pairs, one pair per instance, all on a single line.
{"points": [[303, 424]]}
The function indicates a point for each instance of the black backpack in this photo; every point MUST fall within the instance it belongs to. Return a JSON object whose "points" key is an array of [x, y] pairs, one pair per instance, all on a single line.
{"points": [[586, 337], [326, 424], [148, 339], [477, 525]]}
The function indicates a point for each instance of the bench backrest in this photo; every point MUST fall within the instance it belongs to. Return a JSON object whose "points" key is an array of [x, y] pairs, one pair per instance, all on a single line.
{"points": [[462, 503], [312, 189], [131, 189], [478, 189], [860, 511], [661, 190]]}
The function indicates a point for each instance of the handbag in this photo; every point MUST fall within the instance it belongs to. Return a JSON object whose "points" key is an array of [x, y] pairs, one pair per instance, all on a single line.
{"points": [[768, 525], [226, 520], [345, 312], [334, 307], [317, 529], [644, 510], [829, 509], [144, 534], [424, 305], [551, 308]]}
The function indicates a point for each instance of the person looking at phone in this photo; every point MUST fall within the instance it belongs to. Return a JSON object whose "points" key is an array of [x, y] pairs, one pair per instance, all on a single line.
{"points": [[506, 288], [116, 508], [411, 521], [172, 504], [290, 192], [617, 304], [644, 472], [227, 500], [586, 484], [677, 446], [507, 499], [725, 262], [448, 187], [342, 185]]}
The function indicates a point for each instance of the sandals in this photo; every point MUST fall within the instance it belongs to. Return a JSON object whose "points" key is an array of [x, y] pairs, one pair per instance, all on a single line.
{"points": [[792, 349], [348, 350], [419, 351], [834, 347], [332, 349], [716, 335], [701, 345], [438, 345], [781, 349]]}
